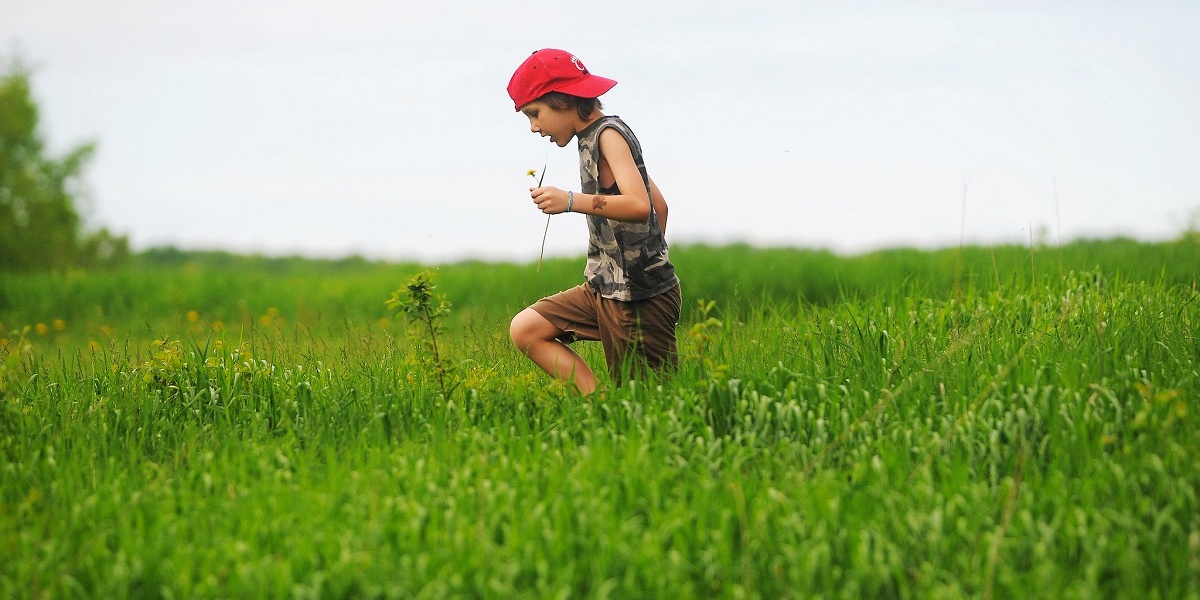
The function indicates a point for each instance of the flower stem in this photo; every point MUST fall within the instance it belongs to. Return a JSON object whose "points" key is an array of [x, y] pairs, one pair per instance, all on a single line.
{"points": [[543, 252]]}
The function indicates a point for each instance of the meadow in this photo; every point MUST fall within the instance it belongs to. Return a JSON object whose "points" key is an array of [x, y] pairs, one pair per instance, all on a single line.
{"points": [[980, 422]]}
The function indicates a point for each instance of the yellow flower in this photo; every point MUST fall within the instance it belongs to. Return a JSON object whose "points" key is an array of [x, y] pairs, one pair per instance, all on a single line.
{"points": [[41, 328], [59, 324], [269, 318], [531, 172], [193, 316]]}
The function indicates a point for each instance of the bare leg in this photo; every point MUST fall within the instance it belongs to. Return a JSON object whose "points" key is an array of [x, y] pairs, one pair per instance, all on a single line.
{"points": [[534, 336]]}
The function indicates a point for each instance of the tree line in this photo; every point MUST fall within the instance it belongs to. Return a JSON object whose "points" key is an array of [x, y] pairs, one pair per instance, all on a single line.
{"points": [[41, 227]]}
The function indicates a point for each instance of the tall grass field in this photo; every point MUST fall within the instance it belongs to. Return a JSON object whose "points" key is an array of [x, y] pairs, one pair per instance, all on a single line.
{"points": [[979, 422]]}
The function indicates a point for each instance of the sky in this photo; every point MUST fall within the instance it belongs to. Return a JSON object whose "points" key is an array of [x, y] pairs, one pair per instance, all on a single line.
{"points": [[383, 128]]}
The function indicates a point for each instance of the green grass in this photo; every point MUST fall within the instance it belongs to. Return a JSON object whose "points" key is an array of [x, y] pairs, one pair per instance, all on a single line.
{"points": [[987, 423]]}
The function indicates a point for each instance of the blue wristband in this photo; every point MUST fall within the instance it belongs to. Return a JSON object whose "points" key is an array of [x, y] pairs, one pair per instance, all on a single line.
{"points": [[570, 200]]}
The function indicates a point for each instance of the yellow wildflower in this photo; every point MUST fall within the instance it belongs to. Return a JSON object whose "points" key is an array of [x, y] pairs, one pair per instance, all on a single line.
{"points": [[270, 318], [41, 329], [59, 324], [531, 172], [193, 316]]}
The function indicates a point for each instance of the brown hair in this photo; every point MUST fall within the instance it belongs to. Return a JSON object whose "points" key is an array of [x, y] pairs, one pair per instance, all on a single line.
{"points": [[583, 106]]}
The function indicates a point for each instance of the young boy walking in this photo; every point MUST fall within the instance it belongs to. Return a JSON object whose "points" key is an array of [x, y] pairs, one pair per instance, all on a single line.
{"points": [[630, 299]]}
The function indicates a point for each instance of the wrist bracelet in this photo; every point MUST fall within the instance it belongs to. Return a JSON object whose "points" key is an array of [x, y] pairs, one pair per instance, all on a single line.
{"points": [[570, 200]]}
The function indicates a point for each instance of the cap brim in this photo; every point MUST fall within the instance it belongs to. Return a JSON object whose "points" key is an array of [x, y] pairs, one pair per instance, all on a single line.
{"points": [[591, 87]]}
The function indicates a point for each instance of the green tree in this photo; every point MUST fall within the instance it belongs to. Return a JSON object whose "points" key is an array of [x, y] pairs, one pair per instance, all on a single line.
{"points": [[40, 226]]}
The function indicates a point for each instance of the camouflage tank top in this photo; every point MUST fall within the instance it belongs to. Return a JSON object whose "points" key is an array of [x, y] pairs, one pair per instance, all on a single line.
{"points": [[626, 261]]}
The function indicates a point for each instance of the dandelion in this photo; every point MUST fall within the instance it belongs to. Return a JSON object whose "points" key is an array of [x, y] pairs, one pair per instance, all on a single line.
{"points": [[59, 324], [41, 329], [531, 173], [193, 316]]}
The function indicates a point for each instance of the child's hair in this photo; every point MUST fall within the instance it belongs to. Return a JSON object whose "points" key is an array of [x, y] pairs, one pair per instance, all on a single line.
{"points": [[583, 106]]}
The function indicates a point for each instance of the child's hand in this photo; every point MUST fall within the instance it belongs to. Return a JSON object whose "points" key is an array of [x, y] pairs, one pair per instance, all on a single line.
{"points": [[549, 199]]}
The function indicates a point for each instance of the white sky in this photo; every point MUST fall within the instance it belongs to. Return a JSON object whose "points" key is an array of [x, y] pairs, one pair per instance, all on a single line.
{"points": [[383, 128]]}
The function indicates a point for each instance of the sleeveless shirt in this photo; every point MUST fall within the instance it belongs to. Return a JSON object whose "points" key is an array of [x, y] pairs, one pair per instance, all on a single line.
{"points": [[625, 261]]}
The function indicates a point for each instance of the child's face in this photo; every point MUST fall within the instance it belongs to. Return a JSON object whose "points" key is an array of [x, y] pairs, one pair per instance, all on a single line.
{"points": [[559, 125]]}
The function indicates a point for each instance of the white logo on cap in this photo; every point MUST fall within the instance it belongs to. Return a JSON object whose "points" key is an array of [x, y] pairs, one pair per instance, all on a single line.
{"points": [[578, 65]]}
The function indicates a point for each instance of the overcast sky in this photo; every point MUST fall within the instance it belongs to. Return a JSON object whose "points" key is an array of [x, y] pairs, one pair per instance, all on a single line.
{"points": [[383, 128]]}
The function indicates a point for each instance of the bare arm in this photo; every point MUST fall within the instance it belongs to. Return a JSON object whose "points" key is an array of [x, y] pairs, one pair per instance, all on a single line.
{"points": [[630, 205], [660, 206]]}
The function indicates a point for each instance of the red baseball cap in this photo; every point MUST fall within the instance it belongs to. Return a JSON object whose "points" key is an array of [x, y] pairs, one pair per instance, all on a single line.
{"points": [[551, 70]]}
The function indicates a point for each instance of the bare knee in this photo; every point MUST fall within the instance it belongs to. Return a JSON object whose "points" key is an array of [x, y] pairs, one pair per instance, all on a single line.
{"points": [[525, 329], [516, 331]]}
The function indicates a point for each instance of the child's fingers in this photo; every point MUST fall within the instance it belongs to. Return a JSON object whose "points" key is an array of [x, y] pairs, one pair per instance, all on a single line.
{"points": [[544, 193], [537, 195], [547, 199]]}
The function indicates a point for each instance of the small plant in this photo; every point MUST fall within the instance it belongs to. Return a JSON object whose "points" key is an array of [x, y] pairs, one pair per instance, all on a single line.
{"points": [[702, 334], [425, 311], [165, 362]]}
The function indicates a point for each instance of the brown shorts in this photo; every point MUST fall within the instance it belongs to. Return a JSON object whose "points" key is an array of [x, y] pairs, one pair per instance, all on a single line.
{"points": [[635, 335]]}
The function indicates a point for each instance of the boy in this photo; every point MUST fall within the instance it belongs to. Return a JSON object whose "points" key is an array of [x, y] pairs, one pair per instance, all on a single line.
{"points": [[630, 300]]}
